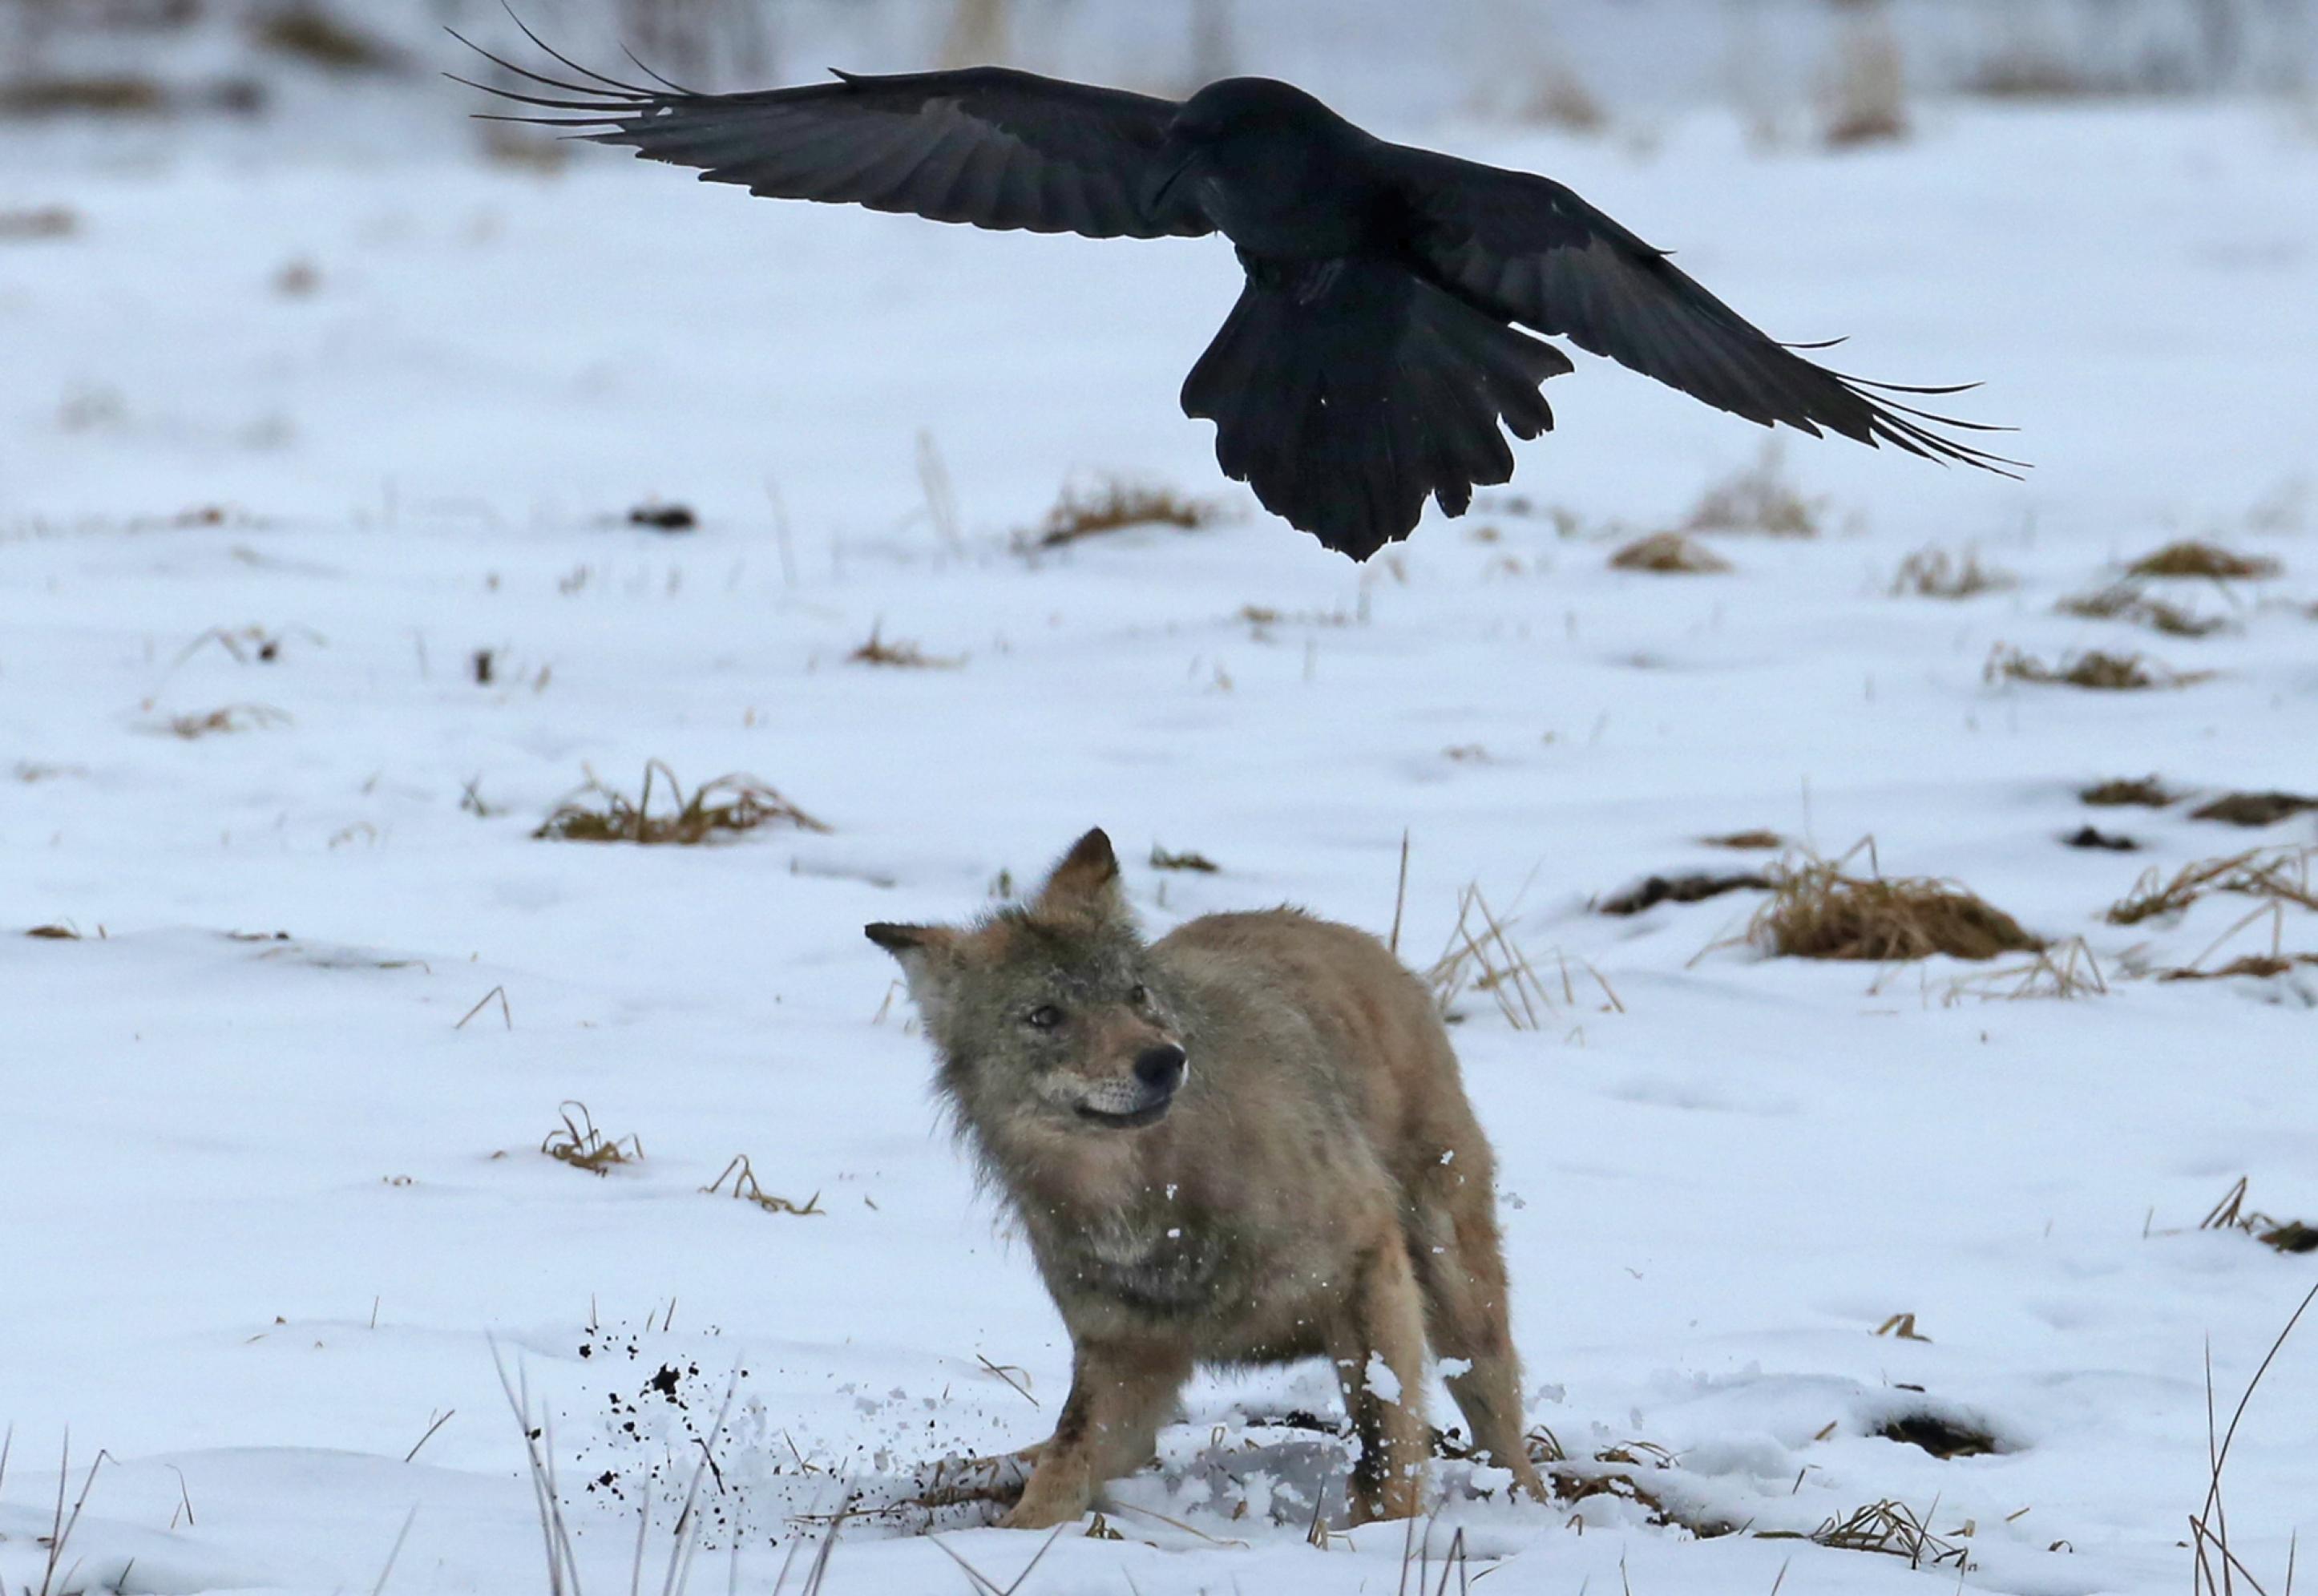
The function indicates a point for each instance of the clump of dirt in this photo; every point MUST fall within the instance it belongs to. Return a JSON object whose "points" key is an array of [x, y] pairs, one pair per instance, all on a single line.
{"points": [[1940, 1435], [2145, 792], [661, 516], [1669, 554], [1756, 841], [2192, 558], [1819, 912], [2254, 808], [1695, 888], [2091, 836]]}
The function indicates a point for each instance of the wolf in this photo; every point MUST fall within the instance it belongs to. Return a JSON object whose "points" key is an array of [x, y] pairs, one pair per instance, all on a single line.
{"points": [[1244, 1144]]}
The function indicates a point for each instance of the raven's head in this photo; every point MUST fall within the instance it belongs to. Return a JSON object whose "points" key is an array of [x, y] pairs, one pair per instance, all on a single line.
{"points": [[1242, 125]]}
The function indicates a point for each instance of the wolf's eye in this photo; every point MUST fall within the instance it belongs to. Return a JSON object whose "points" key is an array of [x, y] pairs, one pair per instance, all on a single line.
{"points": [[1140, 995], [1045, 1017]]}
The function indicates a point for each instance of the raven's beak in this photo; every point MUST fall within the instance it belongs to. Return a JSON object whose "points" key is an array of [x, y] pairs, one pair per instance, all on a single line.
{"points": [[1179, 158]]}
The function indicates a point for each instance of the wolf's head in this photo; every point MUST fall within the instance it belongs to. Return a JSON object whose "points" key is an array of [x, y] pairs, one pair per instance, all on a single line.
{"points": [[1048, 1014]]}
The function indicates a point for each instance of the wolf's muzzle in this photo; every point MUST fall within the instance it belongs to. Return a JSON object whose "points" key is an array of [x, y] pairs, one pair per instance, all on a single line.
{"points": [[1159, 1074]]}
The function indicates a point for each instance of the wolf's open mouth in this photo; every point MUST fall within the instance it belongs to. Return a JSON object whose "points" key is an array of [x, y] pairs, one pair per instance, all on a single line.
{"points": [[1147, 1114]]}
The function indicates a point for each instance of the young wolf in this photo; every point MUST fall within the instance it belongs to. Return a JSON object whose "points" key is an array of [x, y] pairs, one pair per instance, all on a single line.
{"points": [[1244, 1144]]}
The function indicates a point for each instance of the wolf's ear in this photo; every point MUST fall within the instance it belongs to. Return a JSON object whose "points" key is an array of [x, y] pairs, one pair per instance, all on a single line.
{"points": [[1085, 884], [925, 953]]}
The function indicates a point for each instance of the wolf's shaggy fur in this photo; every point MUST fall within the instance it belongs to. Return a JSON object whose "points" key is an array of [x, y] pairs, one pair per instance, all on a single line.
{"points": [[1244, 1143]]}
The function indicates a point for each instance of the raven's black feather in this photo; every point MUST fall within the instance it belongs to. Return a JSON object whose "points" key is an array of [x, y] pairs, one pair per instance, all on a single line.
{"points": [[1376, 351]]}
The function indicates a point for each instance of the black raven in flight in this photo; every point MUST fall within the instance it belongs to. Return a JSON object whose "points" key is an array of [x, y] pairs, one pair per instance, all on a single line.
{"points": [[1376, 347]]}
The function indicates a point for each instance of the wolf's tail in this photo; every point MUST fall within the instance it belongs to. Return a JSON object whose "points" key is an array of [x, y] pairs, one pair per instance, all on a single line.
{"points": [[1345, 391]]}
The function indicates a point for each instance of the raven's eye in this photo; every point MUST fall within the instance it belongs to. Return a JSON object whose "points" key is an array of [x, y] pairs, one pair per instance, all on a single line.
{"points": [[1045, 1017]]}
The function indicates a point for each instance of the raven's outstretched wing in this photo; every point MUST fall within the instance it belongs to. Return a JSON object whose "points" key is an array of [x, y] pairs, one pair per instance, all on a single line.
{"points": [[1527, 249], [995, 148]]}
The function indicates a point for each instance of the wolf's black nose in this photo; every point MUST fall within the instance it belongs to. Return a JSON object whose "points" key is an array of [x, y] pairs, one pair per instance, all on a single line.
{"points": [[1160, 1067]]}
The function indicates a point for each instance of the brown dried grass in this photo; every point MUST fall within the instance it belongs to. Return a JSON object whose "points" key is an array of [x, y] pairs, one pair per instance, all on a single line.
{"points": [[1113, 506], [576, 1141], [2193, 558], [1668, 553], [2276, 875], [1755, 840], [1817, 911], [1759, 498], [2144, 792], [726, 807], [1934, 572], [2125, 601], [2093, 669], [2253, 808], [2231, 1214], [904, 656]]}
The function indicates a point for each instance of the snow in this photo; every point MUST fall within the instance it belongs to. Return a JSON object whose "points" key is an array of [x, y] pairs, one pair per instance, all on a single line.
{"points": [[267, 1203]]}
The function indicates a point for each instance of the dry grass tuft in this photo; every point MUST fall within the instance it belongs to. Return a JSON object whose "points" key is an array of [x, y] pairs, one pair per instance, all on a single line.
{"points": [[54, 934], [1934, 572], [2101, 672], [1695, 888], [2231, 1214], [231, 718], [1489, 960], [319, 37], [726, 807], [1757, 840], [745, 1190], [1817, 911], [576, 1141], [1867, 91], [41, 221], [2146, 792], [2260, 966], [2125, 601], [1161, 860], [2070, 970], [2254, 808], [1892, 1527], [2191, 558], [906, 656], [97, 96], [2275, 875], [1481, 955], [1110, 507], [1759, 498], [2093, 837], [1669, 554]]}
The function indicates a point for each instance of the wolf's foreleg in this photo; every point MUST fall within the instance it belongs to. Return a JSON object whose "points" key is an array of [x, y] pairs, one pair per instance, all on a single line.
{"points": [[1378, 1346], [1109, 1427]]}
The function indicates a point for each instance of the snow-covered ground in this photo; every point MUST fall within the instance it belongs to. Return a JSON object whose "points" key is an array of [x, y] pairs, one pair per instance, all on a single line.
{"points": [[266, 1198]]}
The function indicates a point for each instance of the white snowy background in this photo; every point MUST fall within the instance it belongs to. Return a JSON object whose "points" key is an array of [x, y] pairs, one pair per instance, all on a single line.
{"points": [[270, 1181]]}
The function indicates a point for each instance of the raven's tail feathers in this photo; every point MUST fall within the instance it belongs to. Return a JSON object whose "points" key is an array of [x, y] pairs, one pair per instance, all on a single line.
{"points": [[1344, 391]]}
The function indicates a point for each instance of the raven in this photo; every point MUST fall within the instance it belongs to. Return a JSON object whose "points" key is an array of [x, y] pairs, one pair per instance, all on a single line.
{"points": [[1376, 347]]}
